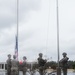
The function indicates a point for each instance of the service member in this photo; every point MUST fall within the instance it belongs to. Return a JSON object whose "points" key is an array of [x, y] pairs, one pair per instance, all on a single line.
{"points": [[9, 65], [64, 61], [41, 63], [14, 66], [24, 64]]}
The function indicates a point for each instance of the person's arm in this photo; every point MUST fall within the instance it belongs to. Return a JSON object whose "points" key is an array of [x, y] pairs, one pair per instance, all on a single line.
{"points": [[38, 59], [61, 60], [66, 59], [6, 61]]}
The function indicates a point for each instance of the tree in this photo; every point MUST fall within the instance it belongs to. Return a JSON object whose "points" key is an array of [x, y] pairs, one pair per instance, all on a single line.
{"points": [[51, 64]]}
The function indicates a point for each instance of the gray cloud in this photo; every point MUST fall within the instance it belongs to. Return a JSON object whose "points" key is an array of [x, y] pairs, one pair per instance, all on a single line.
{"points": [[33, 25], [8, 11]]}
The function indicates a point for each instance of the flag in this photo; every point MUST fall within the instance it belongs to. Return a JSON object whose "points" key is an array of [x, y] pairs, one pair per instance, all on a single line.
{"points": [[16, 48]]}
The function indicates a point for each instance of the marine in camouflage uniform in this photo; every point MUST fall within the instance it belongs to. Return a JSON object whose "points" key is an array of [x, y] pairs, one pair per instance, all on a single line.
{"points": [[64, 64], [24, 65], [14, 66], [41, 63], [9, 65]]}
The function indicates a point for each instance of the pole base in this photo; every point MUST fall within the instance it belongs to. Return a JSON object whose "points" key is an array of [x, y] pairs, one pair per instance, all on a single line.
{"points": [[58, 71]]}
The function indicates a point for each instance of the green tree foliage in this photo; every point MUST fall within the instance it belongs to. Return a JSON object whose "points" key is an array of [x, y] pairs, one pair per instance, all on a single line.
{"points": [[70, 64], [51, 64], [74, 65], [35, 66]]}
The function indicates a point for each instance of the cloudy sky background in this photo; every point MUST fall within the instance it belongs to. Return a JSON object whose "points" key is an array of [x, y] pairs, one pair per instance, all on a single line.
{"points": [[37, 28]]}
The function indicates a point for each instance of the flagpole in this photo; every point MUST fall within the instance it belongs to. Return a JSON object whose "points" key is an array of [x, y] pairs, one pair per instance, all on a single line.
{"points": [[58, 33], [17, 24], [17, 16], [58, 51]]}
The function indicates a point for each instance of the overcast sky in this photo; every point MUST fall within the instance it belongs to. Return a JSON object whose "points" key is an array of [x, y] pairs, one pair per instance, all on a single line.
{"points": [[37, 28]]}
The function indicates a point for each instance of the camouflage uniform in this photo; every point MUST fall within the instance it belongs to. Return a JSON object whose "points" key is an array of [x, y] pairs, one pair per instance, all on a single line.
{"points": [[14, 66], [9, 65], [41, 63], [24, 64], [64, 61]]}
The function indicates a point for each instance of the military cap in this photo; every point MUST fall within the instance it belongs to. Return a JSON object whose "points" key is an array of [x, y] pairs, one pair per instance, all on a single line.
{"points": [[14, 56], [9, 55], [64, 53], [24, 57], [40, 54]]}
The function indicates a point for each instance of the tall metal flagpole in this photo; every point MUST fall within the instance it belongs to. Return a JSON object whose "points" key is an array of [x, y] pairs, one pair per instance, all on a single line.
{"points": [[57, 33], [58, 69], [17, 25]]}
